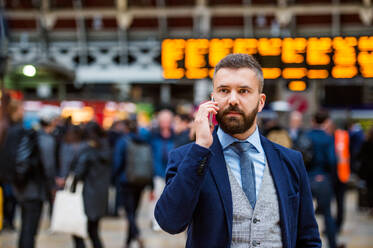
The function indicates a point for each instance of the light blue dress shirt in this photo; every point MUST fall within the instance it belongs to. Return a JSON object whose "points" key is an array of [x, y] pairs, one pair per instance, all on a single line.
{"points": [[232, 159]]}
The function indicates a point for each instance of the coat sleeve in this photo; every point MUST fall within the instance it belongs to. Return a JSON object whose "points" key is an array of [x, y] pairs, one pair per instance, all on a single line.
{"points": [[82, 165], [184, 179], [47, 146], [119, 157], [308, 231]]}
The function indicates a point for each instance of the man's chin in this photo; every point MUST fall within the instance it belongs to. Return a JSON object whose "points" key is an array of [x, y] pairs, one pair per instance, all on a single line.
{"points": [[232, 128]]}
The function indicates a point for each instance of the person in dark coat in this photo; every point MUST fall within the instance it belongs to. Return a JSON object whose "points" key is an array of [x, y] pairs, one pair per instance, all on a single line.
{"points": [[320, 172], [131, 191], [8, 152], [36, 155], [366, 168], [93, 168]]}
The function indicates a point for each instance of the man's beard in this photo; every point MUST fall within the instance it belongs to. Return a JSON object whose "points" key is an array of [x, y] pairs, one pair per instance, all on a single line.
{"points": [[234, 124]]}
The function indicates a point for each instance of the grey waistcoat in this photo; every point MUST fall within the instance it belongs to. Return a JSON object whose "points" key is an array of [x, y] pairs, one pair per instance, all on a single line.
{"points": [[259, 227]]}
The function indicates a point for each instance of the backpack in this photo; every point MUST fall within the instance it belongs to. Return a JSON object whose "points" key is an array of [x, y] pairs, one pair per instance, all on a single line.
{"points": [[304, 145], [8, 153], [139, 163], [27, 158]]}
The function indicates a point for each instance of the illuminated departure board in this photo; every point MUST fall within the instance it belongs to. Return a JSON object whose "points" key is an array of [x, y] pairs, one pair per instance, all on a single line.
{"points": [[289, 58]]}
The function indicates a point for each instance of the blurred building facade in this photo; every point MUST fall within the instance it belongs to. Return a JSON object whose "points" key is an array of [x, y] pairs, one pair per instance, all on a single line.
{"points": [[115, 48]]}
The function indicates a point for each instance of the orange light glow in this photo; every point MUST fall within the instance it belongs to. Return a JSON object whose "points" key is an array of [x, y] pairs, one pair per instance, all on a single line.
{"points": [[248, 46], [291, 49], [365, 56], [269, 47], [211, 73], [271, 73], [294, 73], [346, 42], [317, 74], [195, 51], [196, 58], [79, 115], [365, 43], [219, 48], [317, 51], [345, 57], [172, 52], [297, 86], [344, 51], [367, 71], [344, 71]]}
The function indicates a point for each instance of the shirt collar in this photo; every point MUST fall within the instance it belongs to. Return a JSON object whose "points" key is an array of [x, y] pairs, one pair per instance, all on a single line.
{"points": [[226, 139]]}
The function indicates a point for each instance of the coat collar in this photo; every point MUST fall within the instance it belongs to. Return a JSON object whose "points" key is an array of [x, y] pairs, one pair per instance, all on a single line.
{"points": [[219, 173]]}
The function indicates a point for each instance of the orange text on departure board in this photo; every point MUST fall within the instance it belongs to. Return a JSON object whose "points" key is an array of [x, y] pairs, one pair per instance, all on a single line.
{"points": [[292, 58]]}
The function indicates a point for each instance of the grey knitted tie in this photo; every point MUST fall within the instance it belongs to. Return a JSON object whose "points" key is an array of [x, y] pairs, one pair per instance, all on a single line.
{"points": [[247, 171]]}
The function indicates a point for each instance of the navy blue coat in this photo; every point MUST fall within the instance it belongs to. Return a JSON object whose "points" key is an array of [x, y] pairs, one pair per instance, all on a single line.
{"points": [[198, 196]]}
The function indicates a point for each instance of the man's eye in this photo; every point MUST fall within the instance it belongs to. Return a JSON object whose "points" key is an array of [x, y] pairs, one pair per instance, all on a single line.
{"points": [[223, 90], [243, 91]]}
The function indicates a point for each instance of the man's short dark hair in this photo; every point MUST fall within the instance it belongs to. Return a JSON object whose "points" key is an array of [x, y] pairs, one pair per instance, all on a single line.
{"points": [[242, 60], [321, 116]]}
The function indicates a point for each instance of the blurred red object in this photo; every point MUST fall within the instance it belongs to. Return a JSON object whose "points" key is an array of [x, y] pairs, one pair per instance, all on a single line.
{"points": [[14, 94]]}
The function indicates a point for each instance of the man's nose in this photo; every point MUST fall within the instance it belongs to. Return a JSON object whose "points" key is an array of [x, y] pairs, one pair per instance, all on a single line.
{"points": [[233, 100]]}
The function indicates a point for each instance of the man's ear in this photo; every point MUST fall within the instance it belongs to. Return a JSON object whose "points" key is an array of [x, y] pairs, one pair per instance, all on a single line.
{"points": [[262, 100]]}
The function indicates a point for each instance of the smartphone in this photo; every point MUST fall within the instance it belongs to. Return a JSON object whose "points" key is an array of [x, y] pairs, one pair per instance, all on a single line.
{"points": [[211, 115]]}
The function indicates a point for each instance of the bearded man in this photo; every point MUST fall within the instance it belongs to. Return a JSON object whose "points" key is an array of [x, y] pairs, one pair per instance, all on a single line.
{"points": [[233, 187]]}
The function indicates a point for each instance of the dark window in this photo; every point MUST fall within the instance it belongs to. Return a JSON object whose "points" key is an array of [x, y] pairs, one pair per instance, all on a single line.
{"points": [[314, 19], [227, 21], [343, 95]]}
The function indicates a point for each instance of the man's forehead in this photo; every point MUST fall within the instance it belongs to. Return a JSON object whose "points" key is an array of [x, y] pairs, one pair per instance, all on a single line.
{"points": [[234, 75], [233, 70]]}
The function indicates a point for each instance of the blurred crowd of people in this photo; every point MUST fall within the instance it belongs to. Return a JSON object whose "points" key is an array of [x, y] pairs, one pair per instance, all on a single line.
{"points": [[332, 152], [36, 163]]}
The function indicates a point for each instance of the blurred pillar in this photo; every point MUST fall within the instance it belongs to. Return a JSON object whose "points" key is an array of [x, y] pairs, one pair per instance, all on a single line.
{"points": [[202, 90], [61, 91], [162, 20], [45, 22], [336, 20], [202, 20], [123, 46], [317, 93], [368, 91], [124, 90], [81, 33], [124, 20], [165, 94], [248, 22]]}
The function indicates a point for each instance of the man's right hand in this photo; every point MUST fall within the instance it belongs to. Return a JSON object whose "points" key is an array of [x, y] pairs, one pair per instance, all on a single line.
{"points": [[202, 125]]}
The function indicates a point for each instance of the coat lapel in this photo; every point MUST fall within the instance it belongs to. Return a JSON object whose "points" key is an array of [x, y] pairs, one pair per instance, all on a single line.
{"points": [[280, 179], [219, 172]]}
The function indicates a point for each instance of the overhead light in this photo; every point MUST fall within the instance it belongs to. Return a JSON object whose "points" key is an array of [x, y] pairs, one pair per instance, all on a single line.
{"points": [[29, 70]]}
